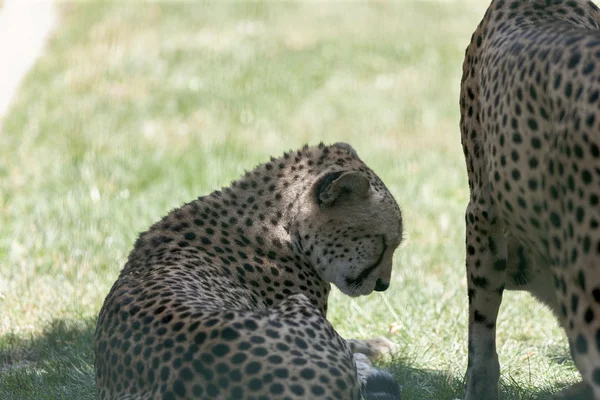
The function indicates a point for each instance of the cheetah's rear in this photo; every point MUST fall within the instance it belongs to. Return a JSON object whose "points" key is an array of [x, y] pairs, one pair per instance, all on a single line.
{"points": [[530, 115]]}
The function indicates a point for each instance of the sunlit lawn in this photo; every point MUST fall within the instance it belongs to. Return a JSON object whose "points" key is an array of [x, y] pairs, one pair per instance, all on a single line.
{"points": [[137, 108]]}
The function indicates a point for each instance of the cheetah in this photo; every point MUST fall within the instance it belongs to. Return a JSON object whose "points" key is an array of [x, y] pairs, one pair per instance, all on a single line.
{"points": [[530, 115], [226, 297]]}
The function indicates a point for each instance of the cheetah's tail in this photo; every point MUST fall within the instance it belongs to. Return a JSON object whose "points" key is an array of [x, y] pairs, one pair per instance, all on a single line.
{"points": [[381, 385]]}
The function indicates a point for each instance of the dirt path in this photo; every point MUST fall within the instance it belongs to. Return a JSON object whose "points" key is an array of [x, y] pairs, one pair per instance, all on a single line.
{"points": [[24, 29]]}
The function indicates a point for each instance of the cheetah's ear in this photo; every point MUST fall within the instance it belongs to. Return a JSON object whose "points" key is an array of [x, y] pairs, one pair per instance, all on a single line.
{"points": [[336, 184]]}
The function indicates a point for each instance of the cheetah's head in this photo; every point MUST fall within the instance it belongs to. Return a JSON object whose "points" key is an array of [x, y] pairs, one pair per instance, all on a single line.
{"points": [[349, 230]]}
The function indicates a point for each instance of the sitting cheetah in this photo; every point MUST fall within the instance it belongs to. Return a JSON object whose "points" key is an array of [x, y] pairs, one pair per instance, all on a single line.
{"points": [[226, 297], [530, 115]]}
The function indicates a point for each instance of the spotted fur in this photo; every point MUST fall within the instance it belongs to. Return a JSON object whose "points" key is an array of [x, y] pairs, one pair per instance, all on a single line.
{"points": [[530, 115], [226, 297]]}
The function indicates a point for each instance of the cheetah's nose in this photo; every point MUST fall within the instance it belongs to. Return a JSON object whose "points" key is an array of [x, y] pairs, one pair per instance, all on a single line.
{"points": [[381, 286]]}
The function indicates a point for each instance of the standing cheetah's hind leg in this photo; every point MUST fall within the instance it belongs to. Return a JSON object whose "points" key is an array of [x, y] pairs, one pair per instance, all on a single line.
{"points": [[486, 261]]}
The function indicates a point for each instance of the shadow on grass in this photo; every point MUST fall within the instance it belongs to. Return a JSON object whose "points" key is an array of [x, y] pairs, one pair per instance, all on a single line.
{"points": [[56, 364], [428, 384]]}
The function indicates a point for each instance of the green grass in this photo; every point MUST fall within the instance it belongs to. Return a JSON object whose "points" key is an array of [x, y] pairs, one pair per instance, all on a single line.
{"points": [[137, 108]]}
